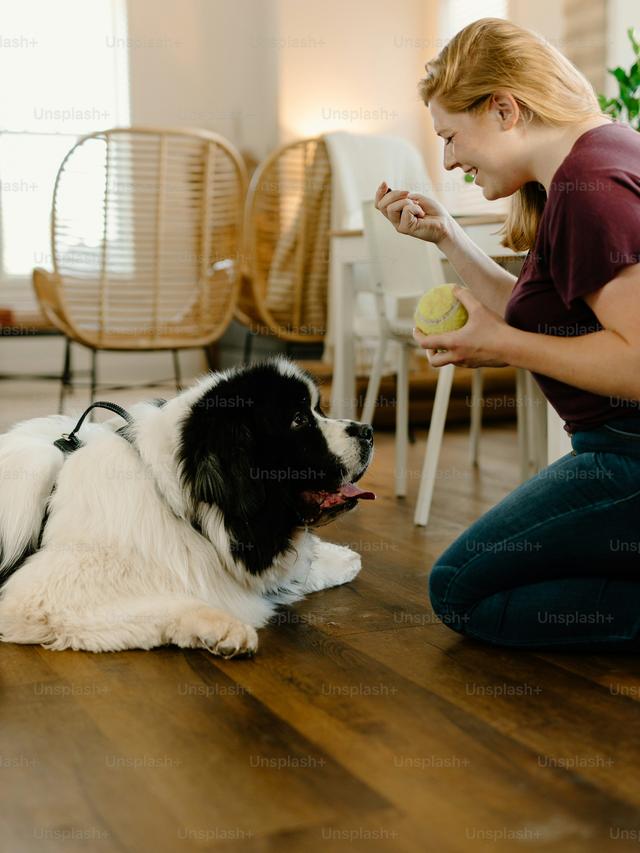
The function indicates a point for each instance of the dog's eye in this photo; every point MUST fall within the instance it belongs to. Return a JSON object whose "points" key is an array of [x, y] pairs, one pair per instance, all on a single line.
{"points": [[300, 419]]}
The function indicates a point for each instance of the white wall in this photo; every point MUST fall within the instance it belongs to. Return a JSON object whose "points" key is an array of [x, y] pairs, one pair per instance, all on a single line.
{"points": [[210, 64], [544, 16], [205, 63], [358, 69]]}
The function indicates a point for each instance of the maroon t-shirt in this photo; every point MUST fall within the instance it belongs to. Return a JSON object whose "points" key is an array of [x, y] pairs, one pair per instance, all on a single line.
{"points": [[589, 230]]}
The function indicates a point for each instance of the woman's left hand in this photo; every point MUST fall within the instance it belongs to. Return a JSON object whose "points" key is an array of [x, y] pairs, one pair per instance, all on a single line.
{"points": [[479, 343]]}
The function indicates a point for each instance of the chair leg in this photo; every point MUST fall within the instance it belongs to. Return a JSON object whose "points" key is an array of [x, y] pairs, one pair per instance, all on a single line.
{"points": [[434, 442], [94, 378], [402, 420], [176, 370], [536, 406], [368, 410], [476, 415], [70, 366], [248, 346], [65, 377], [212, 354]]}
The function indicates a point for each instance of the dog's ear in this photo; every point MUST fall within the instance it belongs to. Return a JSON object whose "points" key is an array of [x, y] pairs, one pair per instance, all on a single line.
{"points": [[219, 466]]}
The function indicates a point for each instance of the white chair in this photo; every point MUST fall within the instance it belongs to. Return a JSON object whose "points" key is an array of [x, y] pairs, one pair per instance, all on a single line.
{"points": [[401, 270], [359, 162]]}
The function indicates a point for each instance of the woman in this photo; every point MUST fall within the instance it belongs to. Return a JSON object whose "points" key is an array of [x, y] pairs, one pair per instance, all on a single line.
{"points": [[556, 564]]}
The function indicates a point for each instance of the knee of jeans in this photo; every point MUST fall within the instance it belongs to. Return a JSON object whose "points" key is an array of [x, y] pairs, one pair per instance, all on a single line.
{"points": [[440, 580]]}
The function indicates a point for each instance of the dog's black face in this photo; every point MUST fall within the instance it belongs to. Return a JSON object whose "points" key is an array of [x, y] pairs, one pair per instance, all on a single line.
{"points": [[258, 446]]}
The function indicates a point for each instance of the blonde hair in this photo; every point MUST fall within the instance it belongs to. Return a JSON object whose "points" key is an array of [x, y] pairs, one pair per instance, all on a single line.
{"points": [[492, 54]]}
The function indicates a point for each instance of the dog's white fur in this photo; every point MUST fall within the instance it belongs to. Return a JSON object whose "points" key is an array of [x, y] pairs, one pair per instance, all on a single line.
{"points": [[120, 566]]}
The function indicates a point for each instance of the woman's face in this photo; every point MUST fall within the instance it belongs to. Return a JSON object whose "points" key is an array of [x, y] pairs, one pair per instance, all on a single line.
{"points": [[489, 144]]}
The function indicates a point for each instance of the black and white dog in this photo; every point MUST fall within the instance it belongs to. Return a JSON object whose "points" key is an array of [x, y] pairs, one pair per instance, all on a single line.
{"points": [[189, 526]]}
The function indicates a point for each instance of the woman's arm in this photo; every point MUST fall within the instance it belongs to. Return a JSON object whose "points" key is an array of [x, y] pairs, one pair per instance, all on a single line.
{"points": [[605, 362], [487, 280], [427, 219]]}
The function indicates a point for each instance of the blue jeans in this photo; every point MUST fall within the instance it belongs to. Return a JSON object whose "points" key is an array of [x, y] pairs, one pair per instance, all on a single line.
{"points": [[556, 564]]}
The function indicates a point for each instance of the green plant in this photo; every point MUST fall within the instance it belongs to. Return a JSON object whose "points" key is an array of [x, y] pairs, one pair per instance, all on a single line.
{"points": [[626, 105]]}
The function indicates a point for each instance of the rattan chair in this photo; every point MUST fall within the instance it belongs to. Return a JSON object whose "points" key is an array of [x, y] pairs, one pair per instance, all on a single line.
{"points": [[146, 229], [286, 245]]}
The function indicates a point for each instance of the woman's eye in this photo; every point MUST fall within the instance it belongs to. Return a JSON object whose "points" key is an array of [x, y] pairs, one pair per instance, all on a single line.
{"points": [[299, 420]]}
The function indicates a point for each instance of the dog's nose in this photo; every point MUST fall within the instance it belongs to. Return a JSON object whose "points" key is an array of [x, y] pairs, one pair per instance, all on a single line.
{"points": [[362, 431], [366, 432]]}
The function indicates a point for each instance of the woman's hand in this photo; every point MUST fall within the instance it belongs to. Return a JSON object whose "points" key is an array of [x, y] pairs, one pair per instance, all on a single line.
{"points": [[481, 342], [414, 214]]}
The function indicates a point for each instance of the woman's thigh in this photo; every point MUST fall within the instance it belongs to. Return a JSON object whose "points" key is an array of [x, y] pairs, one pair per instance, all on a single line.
{"points": [[580, 517]]}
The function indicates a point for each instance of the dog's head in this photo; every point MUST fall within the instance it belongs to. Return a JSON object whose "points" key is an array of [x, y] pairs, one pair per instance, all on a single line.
{"points": [[257, 445]]}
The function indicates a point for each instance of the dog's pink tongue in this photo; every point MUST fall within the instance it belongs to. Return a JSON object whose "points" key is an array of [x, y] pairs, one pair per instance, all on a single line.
{"points": [[350, 490]]}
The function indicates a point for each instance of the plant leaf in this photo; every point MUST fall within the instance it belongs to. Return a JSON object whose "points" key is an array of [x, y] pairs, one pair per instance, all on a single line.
{"points": [[621, 76]]}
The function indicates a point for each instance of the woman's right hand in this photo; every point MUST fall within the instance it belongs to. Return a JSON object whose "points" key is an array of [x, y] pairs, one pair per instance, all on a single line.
{"points": [[414, 214]]}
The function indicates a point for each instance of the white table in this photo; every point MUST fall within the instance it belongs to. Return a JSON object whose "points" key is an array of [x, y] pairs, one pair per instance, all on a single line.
{"points": [[541, 430]]}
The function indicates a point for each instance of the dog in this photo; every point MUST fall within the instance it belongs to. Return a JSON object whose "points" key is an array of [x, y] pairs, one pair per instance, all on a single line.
{"points": [[189, 525]]}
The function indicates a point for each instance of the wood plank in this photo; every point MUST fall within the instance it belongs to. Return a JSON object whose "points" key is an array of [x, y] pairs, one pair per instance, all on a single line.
{"points": [[427, 754], [152, 725]]}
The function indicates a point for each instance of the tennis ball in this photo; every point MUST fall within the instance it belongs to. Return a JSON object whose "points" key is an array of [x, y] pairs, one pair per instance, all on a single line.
{"points": [[439, 311]]}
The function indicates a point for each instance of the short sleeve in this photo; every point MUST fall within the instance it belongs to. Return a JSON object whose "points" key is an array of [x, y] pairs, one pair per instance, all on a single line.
{"points": [[594, 232]]}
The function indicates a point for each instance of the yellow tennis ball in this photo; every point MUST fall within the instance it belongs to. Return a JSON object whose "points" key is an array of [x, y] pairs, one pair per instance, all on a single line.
{"points": [[439, 311]]}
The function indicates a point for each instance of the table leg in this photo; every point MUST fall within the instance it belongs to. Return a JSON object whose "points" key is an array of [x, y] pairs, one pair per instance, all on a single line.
{"points": [[343, 387]]}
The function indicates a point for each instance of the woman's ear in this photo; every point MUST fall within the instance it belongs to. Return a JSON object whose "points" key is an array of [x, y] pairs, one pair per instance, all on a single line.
{"points": [[506, 108]]}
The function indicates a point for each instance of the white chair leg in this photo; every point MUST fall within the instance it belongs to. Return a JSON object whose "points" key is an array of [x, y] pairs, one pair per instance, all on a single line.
{"points": [[434, 442], [537, 407], [476, 415], [374, 381], [402, 419], [523, 423]]}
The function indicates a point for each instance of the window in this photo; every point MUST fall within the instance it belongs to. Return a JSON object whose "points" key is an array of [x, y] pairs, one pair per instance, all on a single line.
{"points": [[68, 63], [458, 196]]}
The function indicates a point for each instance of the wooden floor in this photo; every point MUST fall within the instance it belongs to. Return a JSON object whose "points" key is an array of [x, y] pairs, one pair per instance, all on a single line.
{"points": [[362, 724]]}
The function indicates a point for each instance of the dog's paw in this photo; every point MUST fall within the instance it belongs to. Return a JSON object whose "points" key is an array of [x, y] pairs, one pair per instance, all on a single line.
{"points": [[220, 633], [332, 565]]}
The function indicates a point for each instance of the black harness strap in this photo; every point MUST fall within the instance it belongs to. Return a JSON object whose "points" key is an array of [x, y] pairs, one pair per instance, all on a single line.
{"points": [[69, 442]]}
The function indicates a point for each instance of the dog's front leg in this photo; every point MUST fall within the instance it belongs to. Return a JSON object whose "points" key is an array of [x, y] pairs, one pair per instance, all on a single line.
{"points": [[331, 565], [137, 623], [202, 626]]}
